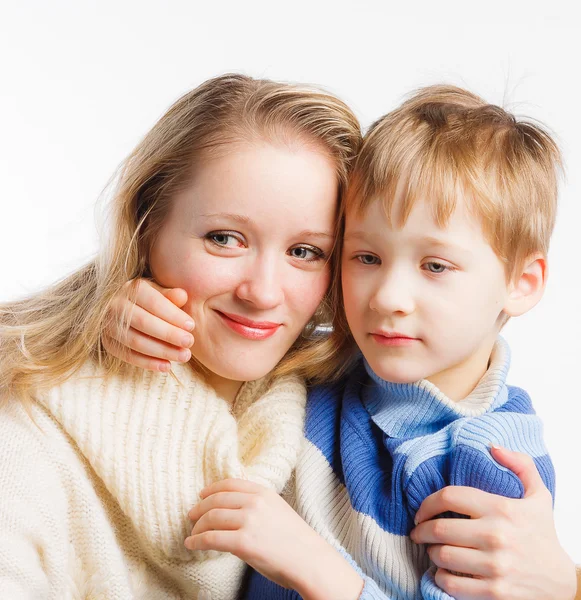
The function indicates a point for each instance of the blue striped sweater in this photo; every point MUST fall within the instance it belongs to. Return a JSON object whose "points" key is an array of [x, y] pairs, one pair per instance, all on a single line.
{"points": [[374, 450]]}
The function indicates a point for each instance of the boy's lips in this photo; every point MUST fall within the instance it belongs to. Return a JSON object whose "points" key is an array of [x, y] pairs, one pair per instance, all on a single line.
{"points": [[392, 338], [252, 330]]}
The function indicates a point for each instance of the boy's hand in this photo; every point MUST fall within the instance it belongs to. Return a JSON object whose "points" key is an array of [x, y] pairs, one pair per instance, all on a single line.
{"points": [[158, 331], [258, 526]]}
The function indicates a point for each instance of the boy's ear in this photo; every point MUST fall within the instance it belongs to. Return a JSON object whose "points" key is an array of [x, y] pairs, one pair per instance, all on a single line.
{"points": [[527, 288]]}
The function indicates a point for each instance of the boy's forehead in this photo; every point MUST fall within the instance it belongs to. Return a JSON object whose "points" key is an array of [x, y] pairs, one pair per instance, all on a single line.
{"points": [[381, 219]]}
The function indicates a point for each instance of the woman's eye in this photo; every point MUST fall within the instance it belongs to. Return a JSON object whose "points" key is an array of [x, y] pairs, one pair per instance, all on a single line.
{"points": [[436, 267], [224, 239], [368, 259], [308, 253]]}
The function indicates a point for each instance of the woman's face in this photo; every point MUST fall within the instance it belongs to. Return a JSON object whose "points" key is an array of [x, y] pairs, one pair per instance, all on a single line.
{"points": [[249, 240]]}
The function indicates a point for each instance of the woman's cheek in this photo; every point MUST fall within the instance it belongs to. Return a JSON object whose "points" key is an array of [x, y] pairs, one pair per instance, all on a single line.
{"points": [[308, 293]]}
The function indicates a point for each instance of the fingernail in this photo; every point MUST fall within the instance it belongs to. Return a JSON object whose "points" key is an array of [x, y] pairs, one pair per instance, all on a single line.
{"points": [[184, 355], [189, 325], [187, 340], [164, 367]]}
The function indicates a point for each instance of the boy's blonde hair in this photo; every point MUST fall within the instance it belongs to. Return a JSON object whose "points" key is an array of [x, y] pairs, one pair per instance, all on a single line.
{"points": [[45, 338], [445, 142]]}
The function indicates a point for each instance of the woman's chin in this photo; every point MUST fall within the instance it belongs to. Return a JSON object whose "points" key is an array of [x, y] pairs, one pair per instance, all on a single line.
{"points": [[246, 368]]}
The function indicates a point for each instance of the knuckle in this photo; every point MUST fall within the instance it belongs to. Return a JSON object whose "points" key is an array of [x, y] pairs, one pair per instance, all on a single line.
{"points": [[447, 495], [447, 582], [504, 507], [495, 539], [440, 528], [243, 545], [496, 569], [497, 590], [446, 555], [255, 503]]}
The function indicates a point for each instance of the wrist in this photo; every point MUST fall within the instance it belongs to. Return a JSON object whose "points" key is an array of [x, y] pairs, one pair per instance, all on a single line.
{"points": [[328, 575]]}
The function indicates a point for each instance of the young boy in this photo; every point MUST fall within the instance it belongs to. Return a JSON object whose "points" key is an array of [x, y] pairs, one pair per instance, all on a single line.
{"points": [[447, 230]]}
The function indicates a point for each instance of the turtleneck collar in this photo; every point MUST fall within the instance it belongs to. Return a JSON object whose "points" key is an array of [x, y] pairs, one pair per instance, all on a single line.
{"points": [[420, 408], [157, 439]]}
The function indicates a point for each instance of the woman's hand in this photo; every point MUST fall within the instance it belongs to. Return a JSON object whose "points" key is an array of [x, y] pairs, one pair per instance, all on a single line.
{"points": [[258, 526], [159, 332], [509, 546]]}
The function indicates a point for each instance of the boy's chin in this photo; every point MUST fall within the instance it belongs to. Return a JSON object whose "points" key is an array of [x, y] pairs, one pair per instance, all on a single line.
{"points": [[397, 373]]}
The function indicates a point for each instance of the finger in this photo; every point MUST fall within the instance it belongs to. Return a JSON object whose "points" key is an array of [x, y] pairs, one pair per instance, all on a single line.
{"points": [[153, 329], [463, 588], [463, 500], [177, 295], [146, 345], [218, 519], [222, 541], [159, 329], [231, 500], [135, 358], [523, 466], [151, 297], [231, 485], [456, 532], [461, 560]]}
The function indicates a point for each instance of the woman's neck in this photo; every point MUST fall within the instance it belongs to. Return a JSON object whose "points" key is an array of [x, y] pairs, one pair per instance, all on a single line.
{"points": [[225, 388]]}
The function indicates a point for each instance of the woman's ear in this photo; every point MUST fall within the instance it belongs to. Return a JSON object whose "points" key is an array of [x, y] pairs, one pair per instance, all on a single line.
{"points": [[527, 287]]}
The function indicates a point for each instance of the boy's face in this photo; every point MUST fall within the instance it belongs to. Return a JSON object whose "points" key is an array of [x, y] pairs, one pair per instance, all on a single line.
{"points": [[422, 302]]}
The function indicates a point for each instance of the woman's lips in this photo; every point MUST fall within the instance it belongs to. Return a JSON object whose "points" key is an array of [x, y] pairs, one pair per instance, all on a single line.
{"points": [[251, 330]]}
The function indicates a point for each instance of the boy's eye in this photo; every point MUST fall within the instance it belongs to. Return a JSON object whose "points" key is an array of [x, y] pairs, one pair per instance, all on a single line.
{"points": [[436, 267], [308, 253], [224, 239], [368, 259]]}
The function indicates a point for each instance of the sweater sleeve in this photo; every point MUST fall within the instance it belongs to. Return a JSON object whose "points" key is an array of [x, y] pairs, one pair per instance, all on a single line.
{"points": [[30, 503]]}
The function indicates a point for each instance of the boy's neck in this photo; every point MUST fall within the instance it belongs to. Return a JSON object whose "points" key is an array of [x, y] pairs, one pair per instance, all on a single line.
{"points": [[459, 381]]}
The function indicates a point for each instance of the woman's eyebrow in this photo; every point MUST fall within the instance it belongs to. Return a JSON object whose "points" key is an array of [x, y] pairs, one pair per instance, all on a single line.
{"points": [[315, 234], [232, 216]]}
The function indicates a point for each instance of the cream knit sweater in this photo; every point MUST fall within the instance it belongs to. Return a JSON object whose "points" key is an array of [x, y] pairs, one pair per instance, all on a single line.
{"points": [[94, 500]]}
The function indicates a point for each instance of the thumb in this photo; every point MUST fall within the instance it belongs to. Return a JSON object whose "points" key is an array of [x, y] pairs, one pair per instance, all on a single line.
{"points": [[522, 465]]}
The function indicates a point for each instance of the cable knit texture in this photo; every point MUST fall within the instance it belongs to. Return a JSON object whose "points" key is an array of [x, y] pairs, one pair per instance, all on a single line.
{"points": [[374, 450], [94, 494]]}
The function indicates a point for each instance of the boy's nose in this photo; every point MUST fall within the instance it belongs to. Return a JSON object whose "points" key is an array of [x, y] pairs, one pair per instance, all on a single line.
{"points": [[393, 297]]}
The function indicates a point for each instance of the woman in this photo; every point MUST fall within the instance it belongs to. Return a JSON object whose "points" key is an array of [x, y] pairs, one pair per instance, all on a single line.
{"points": [[100, 464]]}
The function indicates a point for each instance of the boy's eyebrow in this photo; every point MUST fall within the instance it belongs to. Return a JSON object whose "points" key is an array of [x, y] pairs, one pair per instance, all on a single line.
{"points": [[356, 235], [434, 241]]}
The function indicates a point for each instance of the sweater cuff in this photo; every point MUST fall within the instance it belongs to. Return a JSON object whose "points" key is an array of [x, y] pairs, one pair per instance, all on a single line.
{"points": [[371, 591], [430, 590]]}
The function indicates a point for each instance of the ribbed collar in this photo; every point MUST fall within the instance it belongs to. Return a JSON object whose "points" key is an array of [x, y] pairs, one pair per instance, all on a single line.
{"points": [[420, 408]]}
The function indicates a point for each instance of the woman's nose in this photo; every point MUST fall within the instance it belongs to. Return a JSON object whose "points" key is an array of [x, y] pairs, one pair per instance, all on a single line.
{"points": [[262, 285]]}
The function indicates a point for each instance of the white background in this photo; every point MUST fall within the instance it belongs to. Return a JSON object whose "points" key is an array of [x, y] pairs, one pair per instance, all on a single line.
{"points": [[81, 82]]}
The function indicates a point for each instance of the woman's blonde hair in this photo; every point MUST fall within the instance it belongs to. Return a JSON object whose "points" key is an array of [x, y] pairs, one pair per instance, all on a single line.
{"points": [[45, 338], [444, 143]]}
